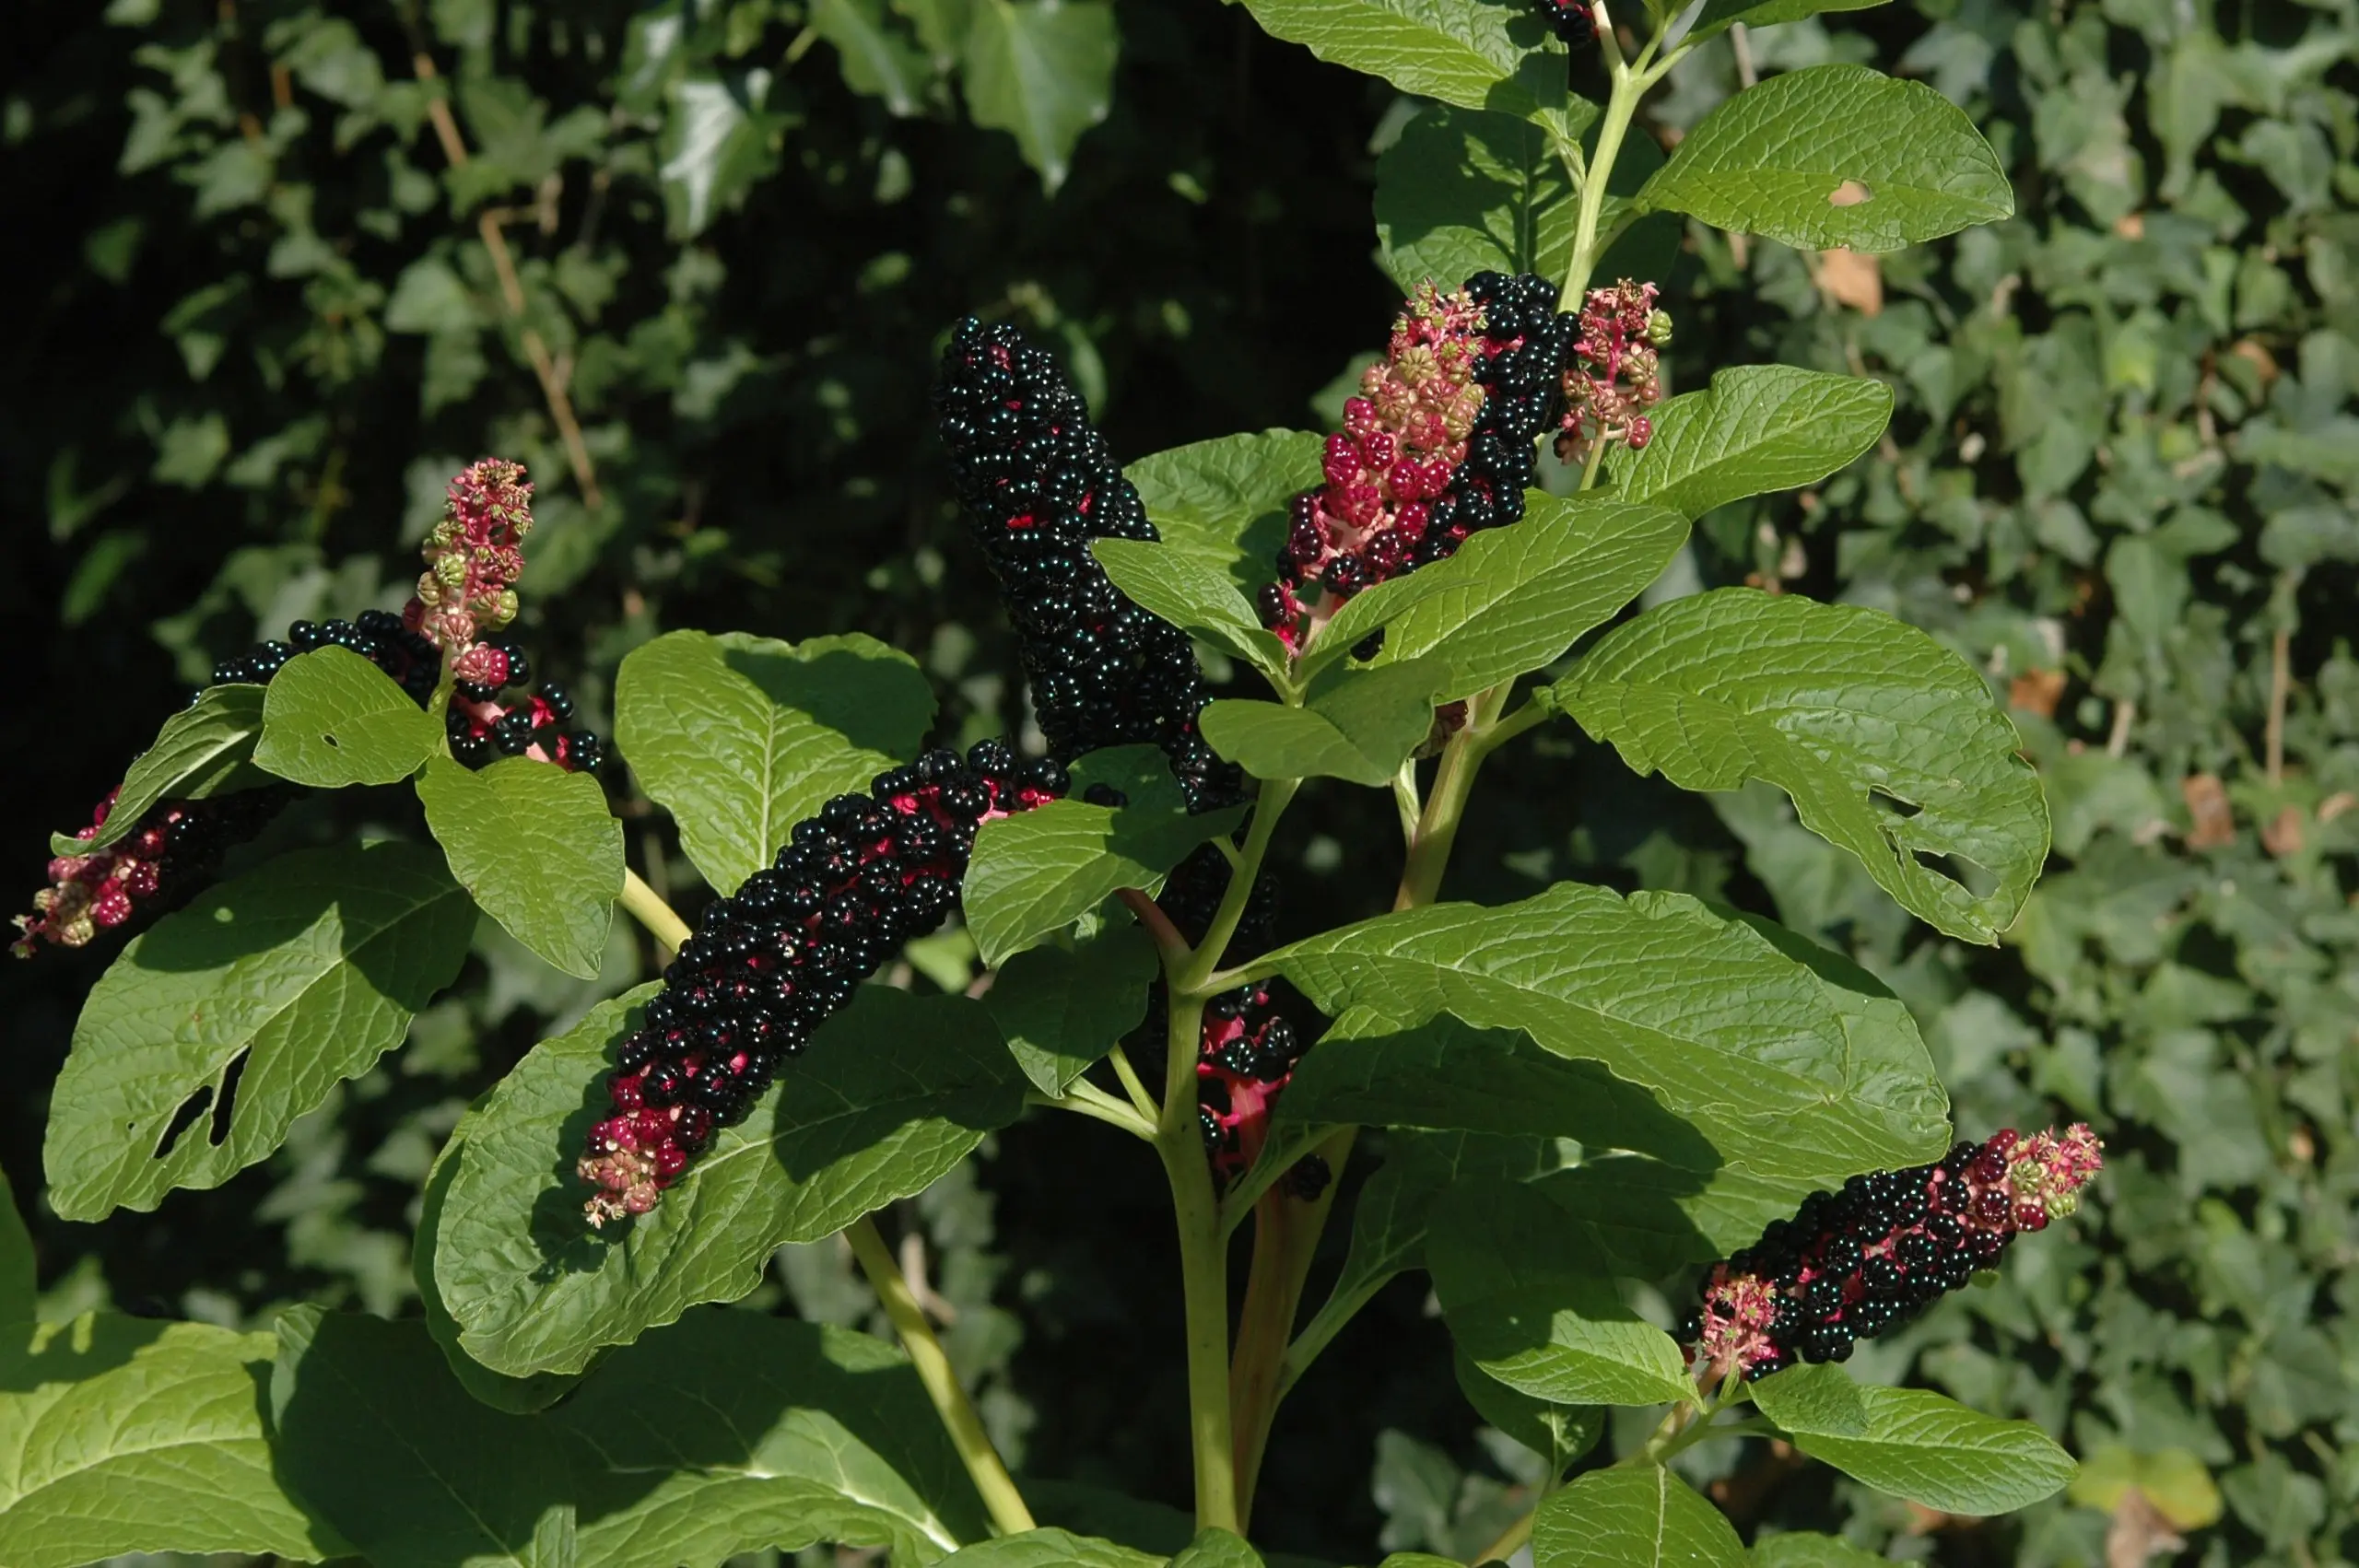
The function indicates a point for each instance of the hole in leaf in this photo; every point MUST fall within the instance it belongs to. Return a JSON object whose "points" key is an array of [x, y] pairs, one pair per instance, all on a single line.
{"points": [[1850, 194], [333, 743], [1894, 803], [227, 1106], [184, 1118]]}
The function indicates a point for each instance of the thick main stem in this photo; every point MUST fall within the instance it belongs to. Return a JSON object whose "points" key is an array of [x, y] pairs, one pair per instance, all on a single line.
{"points": [[1203, 1269], [1009, 1515], [1621, 106]]}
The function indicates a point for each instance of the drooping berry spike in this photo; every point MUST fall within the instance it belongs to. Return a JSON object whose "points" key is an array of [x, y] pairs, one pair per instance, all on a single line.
{"points": [[177, 847], [1438, 444], [1249, 1054], [1614, 374], [1572, 20], [1850, 1265], [770, 962], [1038, 485]]}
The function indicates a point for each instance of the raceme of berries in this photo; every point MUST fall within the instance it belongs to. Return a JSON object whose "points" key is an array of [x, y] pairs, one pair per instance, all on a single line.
{"points": [[771, 962], [176, 849], [1614, 374], [1436, 446], [473, 558], [1571, 20], [1249, 1052], [178, 846], [1850, 1265], [1037, 485]]}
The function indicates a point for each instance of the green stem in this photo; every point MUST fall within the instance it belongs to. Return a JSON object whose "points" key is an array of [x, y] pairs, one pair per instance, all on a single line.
{"points": [[1275, 793], [1510, 1539], [1203, 1266], [1087, 1099], [1621, 105], [1133, 1087], [1446, 802], [643, 903], [1009, 1515]]}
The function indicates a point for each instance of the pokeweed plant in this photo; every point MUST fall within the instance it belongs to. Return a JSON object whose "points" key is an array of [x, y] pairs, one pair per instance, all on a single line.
{"points": [[1595, 1102]]}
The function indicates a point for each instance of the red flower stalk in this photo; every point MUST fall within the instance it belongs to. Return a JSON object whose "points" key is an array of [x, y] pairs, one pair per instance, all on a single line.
{"points": [[1614, 374], [1851, 1265], [175, 849]]}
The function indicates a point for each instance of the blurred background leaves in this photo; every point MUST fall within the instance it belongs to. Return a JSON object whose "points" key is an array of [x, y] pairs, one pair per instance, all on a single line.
{"points": [[283, 267]]}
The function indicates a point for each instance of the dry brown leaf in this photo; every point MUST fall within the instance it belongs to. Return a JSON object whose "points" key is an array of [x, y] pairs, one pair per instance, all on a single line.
{"points": [[2138, 1533], [2131, 226], [2334, 806], [2207, 803], [2283, 837], [2036, 691], [1848, 278]]}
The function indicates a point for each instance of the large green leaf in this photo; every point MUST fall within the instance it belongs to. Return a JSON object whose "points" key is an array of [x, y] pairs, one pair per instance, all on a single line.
{"points": [[1535, 1306], [1916, 1443], [1225, 500], [205, 749], [517, 1396], [1043, 71], [1473, 55], [1560, 1433], [1052, 1548], [1888, 743], [1514, 598], [124, 1435], [1759, 429], [1834, 156], [1464, 191], [17, 1276], [535, 848], [1719, 16], [215, 1029], [722, 1434], [1191, 592], [1358, 724], [1804, 1550], [890, 1093], [1218, 1548], [741, 737], [330, 718], [1037, 872], [1779, 1061], [1063, 1008], [1640, 1517]]}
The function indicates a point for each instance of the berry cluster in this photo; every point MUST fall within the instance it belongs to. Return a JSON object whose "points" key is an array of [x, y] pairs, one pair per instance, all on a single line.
{"points": [[1850, 1265], [1038, 485], [1249, 1053], [1614, 374], [473, 558], [770, 962], [485, 727], [1572, 20], [1436, 446], [176, 849]]}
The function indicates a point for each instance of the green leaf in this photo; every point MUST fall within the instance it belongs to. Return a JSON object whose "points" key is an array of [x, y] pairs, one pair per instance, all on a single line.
{"points": [[1051, 1548], [720, 140], [215, 1029], [1040, 871], [1917, 1445], [1042, 70], [1560, 1433], [873, 58], [124, 1435], [741, 737], [1192, 593], [1803, 1550], [1640, 1517], [889, 1093], [1464, 190], [1359, 724], [373, 1430], [1536, 1308], [1514, 598], [1813, 1399], [1476, 56], [330, 718], [19, 1278], [205, 749], [1889, 744], [1784, 1067], [1062, 1009], [1761, 428], [1834, 156], [517, 1396], [1719, 16], [535, 848], [2174, 1481], [1218, 1548], [1225, 500]]}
